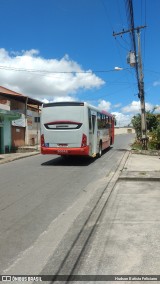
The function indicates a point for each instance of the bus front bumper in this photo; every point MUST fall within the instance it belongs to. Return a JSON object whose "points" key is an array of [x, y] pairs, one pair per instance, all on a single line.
{"points": [[81, 151]]}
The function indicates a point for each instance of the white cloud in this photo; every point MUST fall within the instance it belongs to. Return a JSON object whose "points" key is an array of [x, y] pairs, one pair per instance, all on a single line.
{"points": [[156, 83], [149, 106], [122, 119], [59, 99], [134, 107], [45, 101], [46, 82], [156, 109], [117, 105], [104, 105]]}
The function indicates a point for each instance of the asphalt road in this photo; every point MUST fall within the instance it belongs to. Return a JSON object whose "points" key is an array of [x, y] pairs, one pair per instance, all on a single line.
{"points": [[38, 193]]}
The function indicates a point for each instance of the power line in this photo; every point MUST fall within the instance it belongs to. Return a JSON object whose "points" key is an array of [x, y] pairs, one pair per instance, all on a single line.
{"points": [[120, 12], [130, 17], [145, 20], [107, 14], [138, 66], [152, 71], [121, 44], [8, 68]]}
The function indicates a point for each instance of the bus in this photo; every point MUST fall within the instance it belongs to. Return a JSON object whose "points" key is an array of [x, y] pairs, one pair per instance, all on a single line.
{"points": [[75, 129]]}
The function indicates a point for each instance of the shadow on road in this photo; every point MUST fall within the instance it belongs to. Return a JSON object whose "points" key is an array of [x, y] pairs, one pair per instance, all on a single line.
{"points": [[72, 160], [122, 150], [69, 161]]}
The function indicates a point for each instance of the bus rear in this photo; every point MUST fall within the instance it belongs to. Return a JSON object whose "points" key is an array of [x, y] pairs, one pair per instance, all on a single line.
{"points": [[63, 131]]}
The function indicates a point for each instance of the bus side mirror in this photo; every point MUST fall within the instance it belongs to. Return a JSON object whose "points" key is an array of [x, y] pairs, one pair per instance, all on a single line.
{"points": [[115, 122]]}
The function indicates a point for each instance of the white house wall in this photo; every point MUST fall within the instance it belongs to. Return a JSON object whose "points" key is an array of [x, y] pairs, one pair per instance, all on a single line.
{"points": [[123, 130]]}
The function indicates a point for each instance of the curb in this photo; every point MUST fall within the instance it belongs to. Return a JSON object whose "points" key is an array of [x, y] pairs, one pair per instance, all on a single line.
{"points": [[146, 152], [10, 159], [139, 179], [140, 175]]}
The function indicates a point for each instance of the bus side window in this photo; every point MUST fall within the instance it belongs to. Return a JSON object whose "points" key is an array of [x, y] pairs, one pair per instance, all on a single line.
{"points": [[89, 118], [110, 122], [107, 122], [93, 122], [103, 121], [99, 120]]}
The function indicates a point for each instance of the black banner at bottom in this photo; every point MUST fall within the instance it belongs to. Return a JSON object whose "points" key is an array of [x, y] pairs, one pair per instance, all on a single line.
{"points": [[52, 278]]}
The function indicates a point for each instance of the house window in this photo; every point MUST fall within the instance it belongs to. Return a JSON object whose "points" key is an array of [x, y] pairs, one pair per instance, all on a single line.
{"points": [[37, 119]]}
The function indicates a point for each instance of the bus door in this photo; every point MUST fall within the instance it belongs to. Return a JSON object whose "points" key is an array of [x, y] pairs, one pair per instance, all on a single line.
{"points": [[93, 133]]}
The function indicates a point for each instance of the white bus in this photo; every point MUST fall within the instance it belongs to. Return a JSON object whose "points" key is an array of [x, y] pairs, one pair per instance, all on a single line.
{"points": [[75, 128]]}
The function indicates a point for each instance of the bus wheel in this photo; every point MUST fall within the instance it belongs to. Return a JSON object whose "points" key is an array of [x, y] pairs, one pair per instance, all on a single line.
{"points": [[100, 150]]}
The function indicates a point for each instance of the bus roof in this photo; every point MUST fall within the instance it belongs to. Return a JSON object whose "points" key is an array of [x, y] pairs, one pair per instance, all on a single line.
{"points": [[64, 104], [74, 103]]}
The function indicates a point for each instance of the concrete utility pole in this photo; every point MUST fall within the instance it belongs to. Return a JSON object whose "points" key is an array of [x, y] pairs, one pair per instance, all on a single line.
{"points": [[141, 96], [138, 65]]}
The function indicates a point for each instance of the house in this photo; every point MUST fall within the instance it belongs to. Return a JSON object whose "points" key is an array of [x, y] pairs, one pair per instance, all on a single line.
{"points": [[19, 120], [124, 130]]}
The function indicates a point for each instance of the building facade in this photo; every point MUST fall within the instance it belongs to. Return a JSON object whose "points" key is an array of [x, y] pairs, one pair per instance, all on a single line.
{"points": [[19, 120], [6, 117]]}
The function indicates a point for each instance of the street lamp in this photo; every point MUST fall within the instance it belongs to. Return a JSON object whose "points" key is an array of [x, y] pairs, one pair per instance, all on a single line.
{"points": [[118, 68], [141, 96]]}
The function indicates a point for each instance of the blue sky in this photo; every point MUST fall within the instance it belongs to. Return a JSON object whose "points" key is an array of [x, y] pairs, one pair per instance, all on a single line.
{"points": [[41, 39]]}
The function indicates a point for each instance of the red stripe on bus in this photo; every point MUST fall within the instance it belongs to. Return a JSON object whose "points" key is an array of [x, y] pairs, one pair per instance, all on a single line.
{"points": [[62, 122], [63, 151]]}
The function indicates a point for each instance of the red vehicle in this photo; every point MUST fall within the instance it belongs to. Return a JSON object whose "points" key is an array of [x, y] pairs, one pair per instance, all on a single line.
{"points": [[75, 128]]}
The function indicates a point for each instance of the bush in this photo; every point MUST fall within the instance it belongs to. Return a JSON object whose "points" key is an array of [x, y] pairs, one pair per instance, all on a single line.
{"points": [[137, 145], [153, 128], [155, 138], [136, 122]]}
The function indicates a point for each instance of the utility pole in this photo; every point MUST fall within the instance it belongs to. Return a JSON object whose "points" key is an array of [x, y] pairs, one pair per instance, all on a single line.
{"points": [[139, 72], [141, 96]]}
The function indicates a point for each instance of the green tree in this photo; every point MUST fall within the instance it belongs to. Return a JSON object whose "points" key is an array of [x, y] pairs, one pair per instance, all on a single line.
{"points": [[155, 138], [153, 128], [136, 122], [152, 121]]}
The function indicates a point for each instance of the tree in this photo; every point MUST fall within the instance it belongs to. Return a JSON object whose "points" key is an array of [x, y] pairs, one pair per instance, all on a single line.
{"points": [[152, 121], [153, 128], [136, 122], [155, 137]]}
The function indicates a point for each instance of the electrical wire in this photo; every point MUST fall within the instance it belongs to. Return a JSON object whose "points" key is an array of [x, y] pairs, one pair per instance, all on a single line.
{"points": [[130, 18], [8, 68], [120, 15], [121, 44], [107, 14], [145, 20]]}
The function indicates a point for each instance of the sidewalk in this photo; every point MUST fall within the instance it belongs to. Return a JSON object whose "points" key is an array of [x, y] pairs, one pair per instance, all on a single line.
{"points": [[127, 239], [141, 167], [26, 152], [136, 223]]}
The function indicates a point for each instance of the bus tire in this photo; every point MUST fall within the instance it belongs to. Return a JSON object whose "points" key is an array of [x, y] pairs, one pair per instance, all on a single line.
{"points": [[100, 150]]}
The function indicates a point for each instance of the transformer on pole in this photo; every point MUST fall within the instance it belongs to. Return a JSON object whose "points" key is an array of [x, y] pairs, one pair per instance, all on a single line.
{"points": [[136, 61]]}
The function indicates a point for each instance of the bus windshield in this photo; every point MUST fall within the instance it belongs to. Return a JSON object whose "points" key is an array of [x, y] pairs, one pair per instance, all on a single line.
{"points": [[63, 114]]}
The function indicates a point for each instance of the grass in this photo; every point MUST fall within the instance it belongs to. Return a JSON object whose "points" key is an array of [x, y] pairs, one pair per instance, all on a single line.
{"points": [[137, 145]]}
